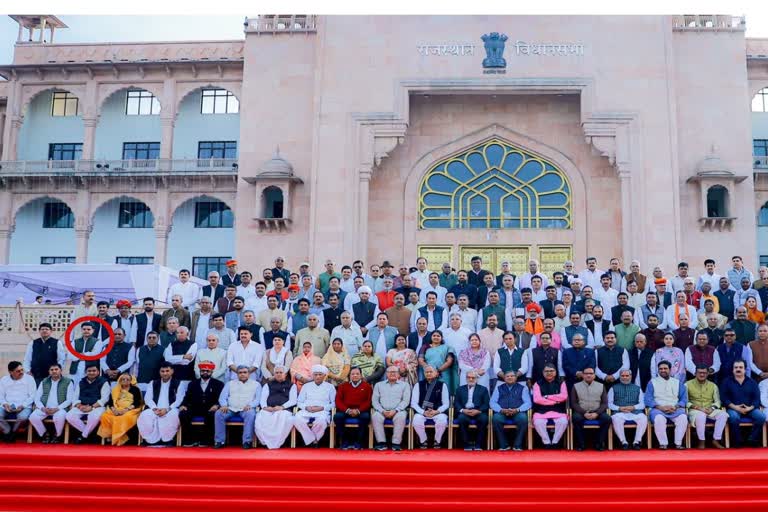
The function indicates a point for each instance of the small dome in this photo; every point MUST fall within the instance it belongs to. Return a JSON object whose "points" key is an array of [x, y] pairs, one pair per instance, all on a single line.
{"points": [[712, 165], [276, 166]]}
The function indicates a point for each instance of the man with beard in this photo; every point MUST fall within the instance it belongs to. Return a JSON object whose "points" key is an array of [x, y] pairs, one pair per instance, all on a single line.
{"points": [[200, 401]]}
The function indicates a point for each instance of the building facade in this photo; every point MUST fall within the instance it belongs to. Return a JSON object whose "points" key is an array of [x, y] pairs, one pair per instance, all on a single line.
{"points": [[390, 137]]}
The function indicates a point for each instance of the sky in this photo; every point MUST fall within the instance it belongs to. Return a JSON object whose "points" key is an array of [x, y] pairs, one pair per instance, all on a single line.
{"points": [[124, 28]]}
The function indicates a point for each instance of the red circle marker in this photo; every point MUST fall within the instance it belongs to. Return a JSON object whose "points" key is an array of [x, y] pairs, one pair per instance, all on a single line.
{"points": [[83, 357]]}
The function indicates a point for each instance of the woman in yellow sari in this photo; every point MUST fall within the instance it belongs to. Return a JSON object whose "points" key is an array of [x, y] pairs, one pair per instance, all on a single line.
{"points": [[337, 361], [123, 409]]}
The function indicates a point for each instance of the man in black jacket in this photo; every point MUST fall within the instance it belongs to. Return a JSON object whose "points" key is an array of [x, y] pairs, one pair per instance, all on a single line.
{"points": [[640, 361], [200, 401], [468, 408]]}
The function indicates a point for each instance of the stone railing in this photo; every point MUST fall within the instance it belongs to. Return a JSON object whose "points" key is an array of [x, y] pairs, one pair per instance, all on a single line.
{"points": [[21, 319], [118, 167], [278, 23], [709, 22]]}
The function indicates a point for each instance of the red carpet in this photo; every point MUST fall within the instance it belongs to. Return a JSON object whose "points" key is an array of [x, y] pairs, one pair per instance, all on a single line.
{"points": [[64, 478]]}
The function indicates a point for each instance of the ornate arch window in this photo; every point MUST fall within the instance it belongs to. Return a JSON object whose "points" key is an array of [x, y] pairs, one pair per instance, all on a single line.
{"points": [[494, 185]]}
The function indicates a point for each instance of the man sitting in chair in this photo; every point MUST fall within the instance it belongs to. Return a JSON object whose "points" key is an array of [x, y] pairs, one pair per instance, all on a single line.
{"points": [[430, 401], [92, 396], [471, 403], [390, 401], [53, 397], [353, 400], [315, 402], [240, 396], [667, 398], [201, 401], [510, 400], [159, 422], [275, 420], [625, 400]]}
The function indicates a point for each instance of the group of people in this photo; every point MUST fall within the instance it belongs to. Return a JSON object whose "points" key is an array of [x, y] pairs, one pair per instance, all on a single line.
{"points": [[398, 349]]}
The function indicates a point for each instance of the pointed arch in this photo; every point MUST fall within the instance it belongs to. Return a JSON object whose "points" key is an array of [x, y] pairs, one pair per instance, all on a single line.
{"points": [[185, 89]]}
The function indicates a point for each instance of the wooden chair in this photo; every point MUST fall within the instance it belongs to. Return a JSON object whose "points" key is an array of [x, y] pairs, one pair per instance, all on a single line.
{"points": [[47, 421], [588, 425], [710, 423], [453, 424], [234, 421], [509, 424], [627, 424], [743, 422]]}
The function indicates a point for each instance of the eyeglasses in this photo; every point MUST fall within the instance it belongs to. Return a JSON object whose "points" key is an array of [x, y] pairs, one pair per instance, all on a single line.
{"points": [[730, 335]]}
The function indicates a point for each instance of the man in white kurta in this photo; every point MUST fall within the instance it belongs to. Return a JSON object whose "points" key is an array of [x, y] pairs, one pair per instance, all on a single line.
{"points": [[245, 352], [215, 355], [48, 403], [274, 421], [315, 403], [92, 394], [350, 334], [456, 335], [679, 308], [239, 397], [422, 406], [185, 288], [160, 420]]}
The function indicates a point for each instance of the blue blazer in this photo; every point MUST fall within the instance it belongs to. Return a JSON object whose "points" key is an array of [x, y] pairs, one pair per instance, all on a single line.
{"points": [[480, 399]]}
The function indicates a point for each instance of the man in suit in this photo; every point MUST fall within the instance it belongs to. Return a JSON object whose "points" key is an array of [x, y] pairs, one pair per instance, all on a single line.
{"points": [[214, 289], [145, 322], [471, 403], [548, 304], [487, 286], [177, 311], [200, 400], [506, 270], [640, 361], [665, 297]]}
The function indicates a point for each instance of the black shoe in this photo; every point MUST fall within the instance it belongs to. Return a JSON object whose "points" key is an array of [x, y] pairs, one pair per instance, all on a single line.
{"points": [[679, 447], [600, 448], [469, 447], [754, 443], [218, 445], [396, 448], [517, 448], [314, 444], [663, 447], [636, 446], [579, 448], [46, 438], [436, 446], [81, 440], [10, 437], [478, 448], [504, 448], [625, 446], [345, 446], [247, 446], [380, 447], [424, 445], [56, 440]]}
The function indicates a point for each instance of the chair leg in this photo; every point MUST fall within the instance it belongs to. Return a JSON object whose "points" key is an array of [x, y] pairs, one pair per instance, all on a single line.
{"points": [[29, 432], [727, 435], [530, 435], [610, 437], [178, 437], [648, 434], [66, 433], [765, 435], [370, 436], [688, 436], [450, 435], [293, 437]]}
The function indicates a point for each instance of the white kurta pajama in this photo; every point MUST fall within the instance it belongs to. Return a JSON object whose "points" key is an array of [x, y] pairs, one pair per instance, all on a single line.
{"points": [[250, 355], [60, 416], [154, 428], [313, 395], [273, 428]]}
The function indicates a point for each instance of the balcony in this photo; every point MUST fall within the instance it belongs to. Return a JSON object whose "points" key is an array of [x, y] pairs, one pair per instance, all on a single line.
{"points": [[709, 23], [760, 164], [281, 23], [104, 168]]}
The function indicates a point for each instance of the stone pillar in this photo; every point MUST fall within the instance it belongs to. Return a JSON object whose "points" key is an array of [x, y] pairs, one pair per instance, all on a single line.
{"points": [[362, 225], [161, 244], [6, 226], [89, 137], [167, 118], [162, 214], [5, 243], [627, 232], [166, 138], [11, 114], [82, 234]]}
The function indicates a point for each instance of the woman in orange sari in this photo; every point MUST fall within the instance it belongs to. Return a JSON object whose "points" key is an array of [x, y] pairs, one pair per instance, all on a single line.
{"points": [[123, 409], [754, 314], [301, 367]]}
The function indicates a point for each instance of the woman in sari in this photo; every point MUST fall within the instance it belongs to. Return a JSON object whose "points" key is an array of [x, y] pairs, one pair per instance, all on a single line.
{"points": [[123, 409], [439, 355], [301, 367], [669, 352], [369, 362], [278, 355], [405, 360], [476, 358], [337, 361], [754, 314]]}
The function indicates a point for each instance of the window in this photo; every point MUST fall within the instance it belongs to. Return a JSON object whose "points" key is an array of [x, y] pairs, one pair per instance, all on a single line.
{"points": [[141, 150], [494, 186], [213, 214], [763, 260], [65, 151], [134, 260], [717, 201], [760, 152], [759, 101], [141, 103], [58, 215], [273, 203], [52, 260], [762, 216], [134, 214], [217, 149], [202, 265], [219, 101], [64, 104]]}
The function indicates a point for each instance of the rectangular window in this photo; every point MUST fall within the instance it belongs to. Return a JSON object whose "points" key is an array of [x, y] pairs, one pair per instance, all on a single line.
{"points": [[65, 151], [58, 215], [141, 103], [52, 260], [219, 101], [202, 265], [217, 149], [64, 104], [763, 261], [134, 260], [213, 214], [141, 150], [134, 214]]}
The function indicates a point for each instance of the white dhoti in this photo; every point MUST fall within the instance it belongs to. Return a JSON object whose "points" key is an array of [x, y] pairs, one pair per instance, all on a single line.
{"points": [[441, 423], [316, 431], [59, 418], [660, 427], [619, 418], [273, 428], [75, 418], [154, 428], [699, 420]]}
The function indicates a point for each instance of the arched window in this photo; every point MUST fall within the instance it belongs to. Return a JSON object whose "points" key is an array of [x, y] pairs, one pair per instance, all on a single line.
{"points": [[273, 203], [717, 201], [760, 101], [762, 216], [494, 185]]}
